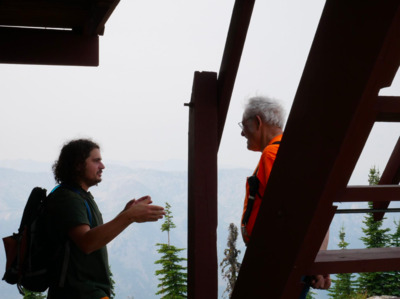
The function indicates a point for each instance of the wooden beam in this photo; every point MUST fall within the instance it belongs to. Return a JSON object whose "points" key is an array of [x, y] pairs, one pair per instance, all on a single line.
{"points": [[379, 193], [86, 17], [388, 109], [235, 40], [49, 47], [356, 260], [39, 13], [202, 188]]}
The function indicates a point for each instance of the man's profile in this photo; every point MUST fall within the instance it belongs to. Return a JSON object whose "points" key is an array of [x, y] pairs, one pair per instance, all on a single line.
{"points": [[262, 126], [74, 219]]}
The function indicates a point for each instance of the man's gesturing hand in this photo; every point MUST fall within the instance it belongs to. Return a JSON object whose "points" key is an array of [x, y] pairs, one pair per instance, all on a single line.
{"points": [[141, 210], [321, 282]]}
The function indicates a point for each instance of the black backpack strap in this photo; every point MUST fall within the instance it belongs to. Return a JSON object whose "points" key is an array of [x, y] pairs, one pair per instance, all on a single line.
{"points": [[65, 264], [254, 184], [89, 212]]}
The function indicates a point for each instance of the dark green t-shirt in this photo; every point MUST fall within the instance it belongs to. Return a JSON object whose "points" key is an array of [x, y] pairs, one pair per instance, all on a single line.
{"points": [[87, 275]]}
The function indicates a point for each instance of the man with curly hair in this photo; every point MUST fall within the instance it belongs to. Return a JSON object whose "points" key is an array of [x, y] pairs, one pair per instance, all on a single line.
{"points": [[82, 271]]}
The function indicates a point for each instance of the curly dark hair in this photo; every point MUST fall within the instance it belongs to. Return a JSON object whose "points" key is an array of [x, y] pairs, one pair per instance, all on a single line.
{"points": [[68, 168]]}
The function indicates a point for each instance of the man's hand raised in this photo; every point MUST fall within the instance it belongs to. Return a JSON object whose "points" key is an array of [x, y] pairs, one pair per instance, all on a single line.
{"points": [[141, 210]]}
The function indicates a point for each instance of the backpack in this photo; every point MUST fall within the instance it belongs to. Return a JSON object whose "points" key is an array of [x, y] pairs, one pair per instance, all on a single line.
{"points": [[30, 253], [27, 251]]}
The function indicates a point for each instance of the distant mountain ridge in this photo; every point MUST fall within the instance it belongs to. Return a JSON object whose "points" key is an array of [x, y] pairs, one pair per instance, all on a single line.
{"points": [[132, 254]]}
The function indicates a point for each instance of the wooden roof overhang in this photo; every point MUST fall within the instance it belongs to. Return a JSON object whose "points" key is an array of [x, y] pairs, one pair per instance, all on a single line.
{"points": [[53, 32]]}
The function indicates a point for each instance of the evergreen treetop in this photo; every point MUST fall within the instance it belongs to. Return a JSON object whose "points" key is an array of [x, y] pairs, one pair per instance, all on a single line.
{"points": [[378, 283], [344, 284], [173, 276]]}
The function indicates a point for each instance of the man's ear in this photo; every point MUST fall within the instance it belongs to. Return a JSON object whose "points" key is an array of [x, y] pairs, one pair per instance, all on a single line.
{"points": [[80, 167], [258, 122]]}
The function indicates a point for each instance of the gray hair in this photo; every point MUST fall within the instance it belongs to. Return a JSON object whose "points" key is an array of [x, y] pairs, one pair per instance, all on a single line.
{"points": [[270, 110]]}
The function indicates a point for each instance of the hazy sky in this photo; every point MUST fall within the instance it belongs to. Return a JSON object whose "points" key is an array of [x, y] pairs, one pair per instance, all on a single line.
{"points": [[132, 104]]}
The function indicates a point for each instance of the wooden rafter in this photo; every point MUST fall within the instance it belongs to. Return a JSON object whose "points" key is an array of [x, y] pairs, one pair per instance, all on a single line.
{"points": [[356, 260], [378, 193], [88, 17], [236, 38], [388, 109]]}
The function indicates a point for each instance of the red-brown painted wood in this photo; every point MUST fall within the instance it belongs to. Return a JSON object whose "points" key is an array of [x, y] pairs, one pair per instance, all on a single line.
{"points": [[202, 188]]}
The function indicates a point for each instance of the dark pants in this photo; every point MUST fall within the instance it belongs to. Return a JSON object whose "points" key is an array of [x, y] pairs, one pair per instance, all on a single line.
{"points": [[306, 287]]}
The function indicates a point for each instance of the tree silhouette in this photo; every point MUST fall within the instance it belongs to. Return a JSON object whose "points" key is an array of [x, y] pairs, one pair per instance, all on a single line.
{"points": [[230, 266], [344, 285], [377, 283], [173, 280]]}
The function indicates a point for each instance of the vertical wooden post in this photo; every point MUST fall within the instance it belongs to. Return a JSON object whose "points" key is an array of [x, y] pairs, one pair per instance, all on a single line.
{"points": [[202, 188]]}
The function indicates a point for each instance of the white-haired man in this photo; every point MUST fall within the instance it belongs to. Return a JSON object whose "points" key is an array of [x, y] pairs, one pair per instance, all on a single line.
{"points": [[262, 126]]}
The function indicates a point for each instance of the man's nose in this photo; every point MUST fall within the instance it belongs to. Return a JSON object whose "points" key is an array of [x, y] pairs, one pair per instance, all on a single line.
{"points": [[242, 133]]}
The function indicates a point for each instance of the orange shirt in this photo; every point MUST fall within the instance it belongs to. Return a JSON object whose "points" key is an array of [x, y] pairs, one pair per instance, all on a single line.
{"points": [[264, 169]]}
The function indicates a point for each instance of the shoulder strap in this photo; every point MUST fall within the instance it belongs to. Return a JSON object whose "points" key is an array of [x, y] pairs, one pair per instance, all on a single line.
{"points": [[88, 211], [254, 183]]}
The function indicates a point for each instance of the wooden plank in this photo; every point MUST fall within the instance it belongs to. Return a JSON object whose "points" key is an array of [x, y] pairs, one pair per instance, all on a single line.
{"points": [[202, 188], [388, 109], [53, 14], [330, 121], [85, 17], [379, 193], [391, 175], [356, 261], [235, 40], [49, 47]]}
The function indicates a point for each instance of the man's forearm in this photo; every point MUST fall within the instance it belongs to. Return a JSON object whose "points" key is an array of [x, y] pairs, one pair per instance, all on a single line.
{"points": [[89, 240]]}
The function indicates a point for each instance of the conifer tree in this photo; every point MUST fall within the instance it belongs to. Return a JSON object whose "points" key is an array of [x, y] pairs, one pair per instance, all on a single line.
{"points": [[375, 283], [112, 283], [230, 266], [33, 295], [173, 280], [343, 285], [394, 276], [311, 294]]}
